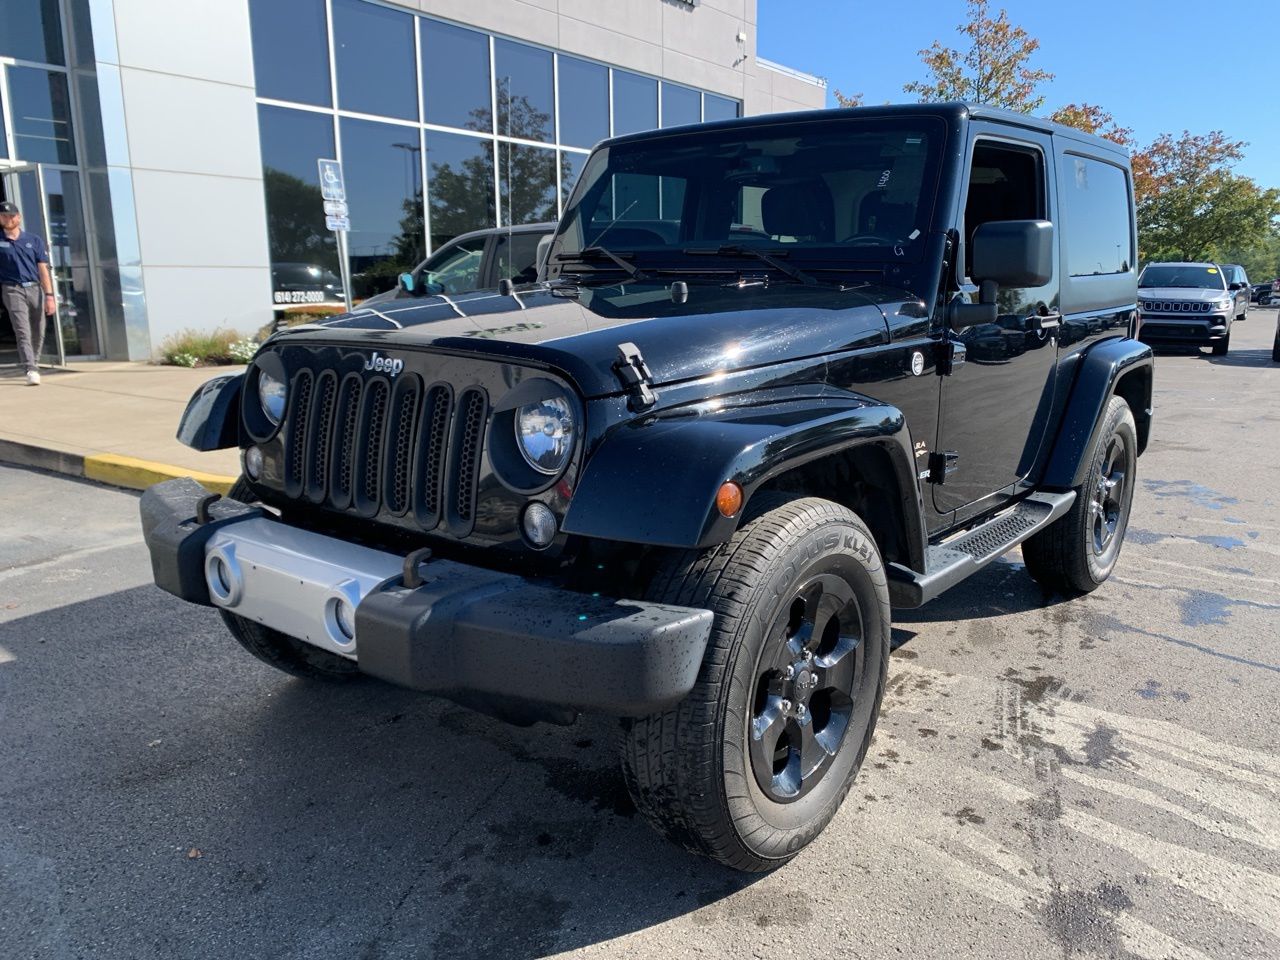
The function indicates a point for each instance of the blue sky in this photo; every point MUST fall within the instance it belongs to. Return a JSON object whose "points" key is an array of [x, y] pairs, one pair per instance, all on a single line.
{"points": [[1158, 67]]}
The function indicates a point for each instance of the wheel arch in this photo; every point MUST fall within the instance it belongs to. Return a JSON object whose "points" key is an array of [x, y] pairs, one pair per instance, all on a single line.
{"points": [[654, 480], [1118, 367]]}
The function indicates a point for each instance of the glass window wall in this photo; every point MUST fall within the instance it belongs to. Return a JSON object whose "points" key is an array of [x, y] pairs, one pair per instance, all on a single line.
{"points": [[527, 184], [384, 195], [718, 108], [455, 77], [31, 30], [475, 176], [635, 103], [291, 50], [680, 105], [374, 57], [522, 78], [41, 111], [459, 184], [303, 250], [584, 102]]}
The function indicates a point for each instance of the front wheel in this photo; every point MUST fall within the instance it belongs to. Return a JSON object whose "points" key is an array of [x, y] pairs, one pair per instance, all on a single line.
{"points": [[1220, 347], [1078, 551], [754, 763]]}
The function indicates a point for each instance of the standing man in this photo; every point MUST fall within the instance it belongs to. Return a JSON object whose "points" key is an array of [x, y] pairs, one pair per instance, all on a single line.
{"points": [[26, 287]]}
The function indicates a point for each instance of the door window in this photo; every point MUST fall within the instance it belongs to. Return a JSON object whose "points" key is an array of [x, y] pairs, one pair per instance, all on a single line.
{"points": [[517, 257], [457, 269], [1005, 183]]}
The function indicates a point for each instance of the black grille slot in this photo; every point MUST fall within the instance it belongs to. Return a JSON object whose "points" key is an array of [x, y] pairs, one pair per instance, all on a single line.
{"points": [[320, 437], [298, 419], [371, 427], [342, 483], [400, 443], [428, 483], [472, 408]]}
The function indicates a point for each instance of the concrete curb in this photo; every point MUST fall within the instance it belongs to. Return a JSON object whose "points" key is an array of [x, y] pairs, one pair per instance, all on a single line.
{"points": [[131, 473]]}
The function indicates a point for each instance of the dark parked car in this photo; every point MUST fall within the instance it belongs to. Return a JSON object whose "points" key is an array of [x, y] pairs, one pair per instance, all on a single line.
{"points": [[1186, 304], [683, 481], [475, 261], [1260, 294], [1238, 285]]}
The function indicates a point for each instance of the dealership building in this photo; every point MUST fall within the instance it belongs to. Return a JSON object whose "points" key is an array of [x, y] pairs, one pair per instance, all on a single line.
{"points": [[168, 148]]}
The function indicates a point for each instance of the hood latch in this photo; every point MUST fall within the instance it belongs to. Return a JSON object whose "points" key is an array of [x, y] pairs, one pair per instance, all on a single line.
{"points": [[633, 373]]}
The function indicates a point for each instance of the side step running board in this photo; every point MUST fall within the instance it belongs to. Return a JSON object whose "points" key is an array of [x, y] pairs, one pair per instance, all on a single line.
{"points": [[965, 554]]}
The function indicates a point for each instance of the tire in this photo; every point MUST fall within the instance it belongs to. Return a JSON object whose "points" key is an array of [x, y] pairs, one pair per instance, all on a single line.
{"points": [[696, 772], [1220, 347], [276, 649], [1078, 551]]}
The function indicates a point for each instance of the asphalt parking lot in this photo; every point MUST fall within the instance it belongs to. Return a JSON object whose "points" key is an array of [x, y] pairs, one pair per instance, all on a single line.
{"points": [[1093, 778]]}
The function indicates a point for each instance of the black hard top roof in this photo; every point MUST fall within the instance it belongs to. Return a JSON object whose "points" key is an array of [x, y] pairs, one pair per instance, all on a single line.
{"points": [[953, 112]]}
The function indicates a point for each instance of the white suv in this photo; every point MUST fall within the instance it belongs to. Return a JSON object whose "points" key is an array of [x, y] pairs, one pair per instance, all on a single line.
{"points": [[1186, 303]]}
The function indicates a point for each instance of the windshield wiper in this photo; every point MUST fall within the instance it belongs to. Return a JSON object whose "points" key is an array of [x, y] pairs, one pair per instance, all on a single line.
{"points": [[596, 252], [736, 249]]}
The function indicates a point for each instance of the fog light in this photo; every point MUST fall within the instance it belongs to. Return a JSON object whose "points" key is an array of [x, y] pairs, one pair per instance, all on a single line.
{"points": [[539, 525], [253, 462], [345, 617]]}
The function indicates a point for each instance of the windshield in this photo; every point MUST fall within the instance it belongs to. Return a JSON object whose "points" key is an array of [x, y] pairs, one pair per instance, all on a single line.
{"points": [[1182, 275], [825, 193]]}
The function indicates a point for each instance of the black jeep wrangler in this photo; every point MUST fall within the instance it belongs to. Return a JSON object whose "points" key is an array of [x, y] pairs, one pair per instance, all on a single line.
{"points": [[784, 374]]}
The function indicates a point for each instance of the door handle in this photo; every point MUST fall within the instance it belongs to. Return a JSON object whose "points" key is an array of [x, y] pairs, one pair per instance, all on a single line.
{"points": [[1049, 321]]}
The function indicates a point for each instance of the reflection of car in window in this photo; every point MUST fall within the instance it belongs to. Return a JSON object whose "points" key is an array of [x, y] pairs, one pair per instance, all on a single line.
{"points": [[304, 283], [475, 261]]}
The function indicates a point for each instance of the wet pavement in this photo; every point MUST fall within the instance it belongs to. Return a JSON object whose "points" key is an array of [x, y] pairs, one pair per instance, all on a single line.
{"points": [[1088, 778]]}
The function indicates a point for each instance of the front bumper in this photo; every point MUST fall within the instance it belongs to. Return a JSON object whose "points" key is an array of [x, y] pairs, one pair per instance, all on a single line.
{"points": [[1182, 329], [489, 639]]}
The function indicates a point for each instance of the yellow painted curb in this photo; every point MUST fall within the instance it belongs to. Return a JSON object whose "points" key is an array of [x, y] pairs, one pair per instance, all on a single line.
{"points": [[135, 474]]}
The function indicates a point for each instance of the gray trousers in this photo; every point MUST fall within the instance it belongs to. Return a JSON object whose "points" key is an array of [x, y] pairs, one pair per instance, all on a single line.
{"points": [[26, 314]]}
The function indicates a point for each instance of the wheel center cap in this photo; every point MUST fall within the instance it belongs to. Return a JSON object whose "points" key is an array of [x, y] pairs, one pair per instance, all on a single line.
{"points": [[804, 683]]}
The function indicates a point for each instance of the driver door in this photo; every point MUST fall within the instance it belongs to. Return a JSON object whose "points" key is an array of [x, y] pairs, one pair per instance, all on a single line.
{"points": [[995, 406]]}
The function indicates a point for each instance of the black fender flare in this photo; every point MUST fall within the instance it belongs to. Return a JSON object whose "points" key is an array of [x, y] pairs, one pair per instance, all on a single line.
{"points": [[654, 480], [1119, 365], [212, 418]]}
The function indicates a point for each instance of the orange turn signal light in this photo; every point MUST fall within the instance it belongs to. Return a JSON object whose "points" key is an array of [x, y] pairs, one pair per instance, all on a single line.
{"points": [[729, 498]]}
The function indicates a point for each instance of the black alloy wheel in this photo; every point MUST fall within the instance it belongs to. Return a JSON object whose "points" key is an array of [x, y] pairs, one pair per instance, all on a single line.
{"points": [[812, 677], [754, 763], [1109, 494]]}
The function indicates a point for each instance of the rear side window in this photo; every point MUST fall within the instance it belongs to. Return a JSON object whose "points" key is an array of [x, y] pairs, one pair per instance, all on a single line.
{"points": [[1098, 230]]}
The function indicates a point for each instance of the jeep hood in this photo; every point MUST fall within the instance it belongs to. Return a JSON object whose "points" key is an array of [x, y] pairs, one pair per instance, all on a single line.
{"points": [[718, 329]]}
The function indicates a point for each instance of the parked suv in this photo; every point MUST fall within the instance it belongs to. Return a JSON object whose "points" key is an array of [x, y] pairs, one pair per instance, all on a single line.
{"points": [[479, 260], [1187, 304], [1238, 285], [683, 481]]}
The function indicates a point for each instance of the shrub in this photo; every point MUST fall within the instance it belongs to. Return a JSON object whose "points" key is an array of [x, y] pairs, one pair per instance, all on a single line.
{"points": [[191, 348]]}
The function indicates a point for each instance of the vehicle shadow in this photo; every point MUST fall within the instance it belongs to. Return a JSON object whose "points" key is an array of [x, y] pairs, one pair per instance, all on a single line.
{"points": [[272, 817], [1243, 358]]}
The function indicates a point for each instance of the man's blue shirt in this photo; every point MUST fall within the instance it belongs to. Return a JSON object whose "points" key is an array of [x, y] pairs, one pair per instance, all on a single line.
{"points": [[18, 258]]}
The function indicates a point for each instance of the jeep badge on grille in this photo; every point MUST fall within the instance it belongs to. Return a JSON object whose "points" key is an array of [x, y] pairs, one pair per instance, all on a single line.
{"points": [[384, 364]]}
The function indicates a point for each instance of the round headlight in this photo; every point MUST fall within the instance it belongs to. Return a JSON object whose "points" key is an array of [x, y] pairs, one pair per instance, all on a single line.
{"points": [[545, 433], [271, 394]]}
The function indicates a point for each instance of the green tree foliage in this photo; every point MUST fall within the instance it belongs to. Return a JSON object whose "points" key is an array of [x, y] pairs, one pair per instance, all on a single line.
{"points": [[992, 68], [1195, 207]]}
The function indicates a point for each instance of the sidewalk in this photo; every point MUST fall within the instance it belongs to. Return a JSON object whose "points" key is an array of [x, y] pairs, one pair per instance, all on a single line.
{"points": [[114, 422]]}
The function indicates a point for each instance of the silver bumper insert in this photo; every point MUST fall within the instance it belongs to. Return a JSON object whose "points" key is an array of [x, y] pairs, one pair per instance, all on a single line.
{"points": [[295, 581]]}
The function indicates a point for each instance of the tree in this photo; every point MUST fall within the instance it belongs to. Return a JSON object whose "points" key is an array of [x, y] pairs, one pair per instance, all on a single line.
{"points": [[296, 221], [847, 100], [993, 69], [1191, 206]]}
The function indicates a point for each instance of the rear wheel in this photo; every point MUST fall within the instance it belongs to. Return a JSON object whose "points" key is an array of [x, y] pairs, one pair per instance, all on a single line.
{"points": [[279, 650], [1078, 551], [755, 762]]}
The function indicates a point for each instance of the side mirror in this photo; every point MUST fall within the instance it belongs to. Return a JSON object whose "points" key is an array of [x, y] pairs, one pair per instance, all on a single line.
{"points": [[1013, 253], [1235, 286], [406, 282]]}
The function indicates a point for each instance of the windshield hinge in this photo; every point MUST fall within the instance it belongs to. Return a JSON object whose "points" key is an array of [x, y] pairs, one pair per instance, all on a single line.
{"points": [[633, 373]]}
